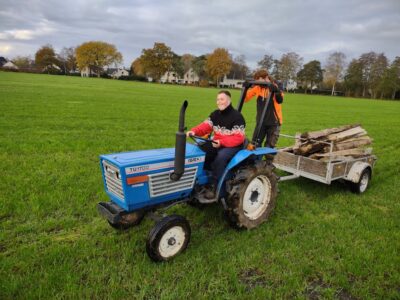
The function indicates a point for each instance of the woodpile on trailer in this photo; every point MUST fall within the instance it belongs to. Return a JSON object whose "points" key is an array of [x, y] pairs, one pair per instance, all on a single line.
{"points": [[334, 144]]}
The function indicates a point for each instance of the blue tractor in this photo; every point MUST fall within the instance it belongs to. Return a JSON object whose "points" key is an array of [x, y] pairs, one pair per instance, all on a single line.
{"points": [[140, 182]]}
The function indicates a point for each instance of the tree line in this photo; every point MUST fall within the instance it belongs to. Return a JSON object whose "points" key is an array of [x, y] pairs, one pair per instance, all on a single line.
{"points": [[371, 75]]}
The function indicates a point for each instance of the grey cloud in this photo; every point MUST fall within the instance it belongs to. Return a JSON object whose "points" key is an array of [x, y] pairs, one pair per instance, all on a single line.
{"points": [[311, 28]]}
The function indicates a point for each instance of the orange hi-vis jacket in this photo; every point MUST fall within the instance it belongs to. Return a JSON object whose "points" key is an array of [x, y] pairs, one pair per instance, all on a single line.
{"points": [[262, 94]]}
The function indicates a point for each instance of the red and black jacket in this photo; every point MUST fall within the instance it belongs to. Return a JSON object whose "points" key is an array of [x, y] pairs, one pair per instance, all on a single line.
{"points": [[228, 126]]}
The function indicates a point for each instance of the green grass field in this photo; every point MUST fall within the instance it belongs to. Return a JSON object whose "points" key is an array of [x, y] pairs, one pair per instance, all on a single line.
{"points": [[321, 242]]}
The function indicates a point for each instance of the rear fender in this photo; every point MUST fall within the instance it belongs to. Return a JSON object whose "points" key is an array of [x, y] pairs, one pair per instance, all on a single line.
{"points": [[241, 156], [356, 170]]}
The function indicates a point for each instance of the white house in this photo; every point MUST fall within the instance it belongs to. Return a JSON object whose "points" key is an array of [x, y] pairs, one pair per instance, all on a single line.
{"points": [[170, 77], [190, 77], [9, 65], [85, 72], [231, 83], [291, 85], [117, 72]]}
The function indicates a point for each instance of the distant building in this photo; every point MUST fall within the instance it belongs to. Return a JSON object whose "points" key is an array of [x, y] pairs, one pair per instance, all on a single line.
{"points": [[231, 83], [169, 77], [117, 72], [88, 72], [52, 67], [2, 61], [9, 65], [291, 85], [190, 77]]}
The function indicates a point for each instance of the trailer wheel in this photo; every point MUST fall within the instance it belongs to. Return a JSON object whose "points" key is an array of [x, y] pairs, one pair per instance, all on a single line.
{"points": [[251, 195], [168, 238], [362, 184], [128, 220]]}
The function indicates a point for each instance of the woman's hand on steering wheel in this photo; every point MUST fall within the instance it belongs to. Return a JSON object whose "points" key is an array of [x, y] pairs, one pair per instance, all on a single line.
{"points": [[195, 138]]}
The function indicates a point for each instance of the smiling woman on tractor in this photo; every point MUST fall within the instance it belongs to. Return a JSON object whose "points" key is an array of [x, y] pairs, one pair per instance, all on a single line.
{"points": [[228, 126]]}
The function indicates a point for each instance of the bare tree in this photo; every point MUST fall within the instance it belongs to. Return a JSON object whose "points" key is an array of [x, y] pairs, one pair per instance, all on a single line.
{"points": [[67, 59], [289, 65], [266, 63], [239, 69], [334, 69]]}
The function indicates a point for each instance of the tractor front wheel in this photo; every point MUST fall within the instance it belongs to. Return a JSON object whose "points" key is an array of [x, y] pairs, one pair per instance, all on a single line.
{"points": [[251, 195], [168, 238]]}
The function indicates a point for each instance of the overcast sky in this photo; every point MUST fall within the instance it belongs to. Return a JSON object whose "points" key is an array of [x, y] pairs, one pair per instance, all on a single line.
{"points": [[312, 28]]}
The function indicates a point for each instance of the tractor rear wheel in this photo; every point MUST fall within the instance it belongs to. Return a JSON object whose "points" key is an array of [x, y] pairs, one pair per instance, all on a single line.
{"points": [[169, 237], [128, 220], [251, 195]]}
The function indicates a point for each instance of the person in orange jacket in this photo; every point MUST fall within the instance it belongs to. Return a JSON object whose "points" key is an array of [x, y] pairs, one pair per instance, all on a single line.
{"points": [[273, 118]]}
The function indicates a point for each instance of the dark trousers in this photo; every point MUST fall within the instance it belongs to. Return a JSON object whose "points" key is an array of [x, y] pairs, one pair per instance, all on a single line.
{"points": [[270, 134], [217, 159]]}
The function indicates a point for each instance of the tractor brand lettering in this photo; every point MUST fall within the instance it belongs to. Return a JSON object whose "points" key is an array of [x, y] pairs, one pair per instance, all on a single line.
{"points": [[193, 160], [159, 166], [137, 185], [139, 169]]}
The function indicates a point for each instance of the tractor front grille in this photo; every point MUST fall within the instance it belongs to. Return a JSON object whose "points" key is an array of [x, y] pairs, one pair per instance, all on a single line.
{"points": [[161, 184], [113, 179]]}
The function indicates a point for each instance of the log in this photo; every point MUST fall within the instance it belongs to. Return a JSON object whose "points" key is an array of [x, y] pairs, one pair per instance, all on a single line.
{"points": [[326, 132], [297, 141], [350, 144], [350, 133], [336, 158], [310, 148], [348, 152]]}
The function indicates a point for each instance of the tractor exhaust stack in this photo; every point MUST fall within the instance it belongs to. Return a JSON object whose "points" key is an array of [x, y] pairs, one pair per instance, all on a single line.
{"points": [[180, 146]]}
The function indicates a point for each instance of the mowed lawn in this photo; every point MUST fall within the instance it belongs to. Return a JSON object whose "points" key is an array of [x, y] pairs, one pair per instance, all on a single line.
{"points": [[322, 241]]}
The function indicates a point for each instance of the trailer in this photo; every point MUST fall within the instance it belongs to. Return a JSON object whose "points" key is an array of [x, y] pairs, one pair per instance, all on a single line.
{"points": [[356, 171]]}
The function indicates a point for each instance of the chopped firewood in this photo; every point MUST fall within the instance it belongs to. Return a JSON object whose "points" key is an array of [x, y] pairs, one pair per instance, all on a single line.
{"points": [[336, 159], [349, 152], [349, 144], [310, 148], [340, 136], [297, 142], [322, 133], [332, 144]]}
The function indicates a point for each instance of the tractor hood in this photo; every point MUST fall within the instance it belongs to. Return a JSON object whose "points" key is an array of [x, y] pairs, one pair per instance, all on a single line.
{"points": [[162, 157]]}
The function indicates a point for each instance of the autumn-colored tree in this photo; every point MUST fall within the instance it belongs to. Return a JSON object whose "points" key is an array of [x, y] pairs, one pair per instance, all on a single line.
{"points": [[95, 55], [46, 59], [157, 60], [137, 68], [218, 64], [334, 69]]}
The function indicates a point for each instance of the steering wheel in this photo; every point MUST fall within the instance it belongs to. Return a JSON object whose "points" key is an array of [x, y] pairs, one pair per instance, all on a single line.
{"points": [[195, 138]]}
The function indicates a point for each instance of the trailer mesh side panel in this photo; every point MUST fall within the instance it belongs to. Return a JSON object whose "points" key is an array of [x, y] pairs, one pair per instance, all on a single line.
{"points": [[161, 184], [113, 179]]}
